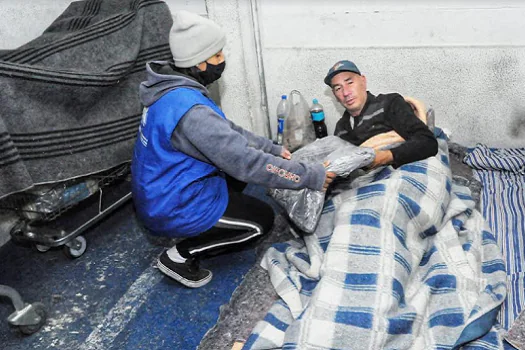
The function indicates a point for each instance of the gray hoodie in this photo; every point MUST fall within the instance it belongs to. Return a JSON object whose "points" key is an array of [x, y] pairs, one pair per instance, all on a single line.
{"points": [[205, 135]]}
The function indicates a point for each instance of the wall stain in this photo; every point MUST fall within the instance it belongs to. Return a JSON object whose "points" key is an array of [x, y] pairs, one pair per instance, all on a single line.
{"points": [[505, 64], [517, 126], [504, 71]]}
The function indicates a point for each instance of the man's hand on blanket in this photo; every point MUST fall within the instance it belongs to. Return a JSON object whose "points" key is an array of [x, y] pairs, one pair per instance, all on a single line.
{"points": [[385, 139], [382, 158], [330, 176], [286, 154]]}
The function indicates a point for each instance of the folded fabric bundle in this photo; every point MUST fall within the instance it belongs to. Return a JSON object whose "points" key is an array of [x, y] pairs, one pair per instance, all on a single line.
{"points": [[70, 104], [345, 160], [304, 207]]}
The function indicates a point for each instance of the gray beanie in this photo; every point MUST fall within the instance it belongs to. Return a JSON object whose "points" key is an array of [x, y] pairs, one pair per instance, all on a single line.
{"points": [[194, 39]]}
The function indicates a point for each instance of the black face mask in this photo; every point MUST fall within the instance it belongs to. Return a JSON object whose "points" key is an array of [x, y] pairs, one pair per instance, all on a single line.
{"points": [[212, 73]]}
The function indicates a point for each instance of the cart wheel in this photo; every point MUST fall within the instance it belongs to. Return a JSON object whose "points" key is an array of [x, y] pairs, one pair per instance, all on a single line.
{"points": [[42, 248], [76, 247], [40, 310], [16, 235]]}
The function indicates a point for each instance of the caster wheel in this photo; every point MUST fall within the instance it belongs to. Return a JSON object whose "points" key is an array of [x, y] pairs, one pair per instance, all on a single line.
{"points": [[17, 235], [42, 248], [40, 310], [76, 247]]}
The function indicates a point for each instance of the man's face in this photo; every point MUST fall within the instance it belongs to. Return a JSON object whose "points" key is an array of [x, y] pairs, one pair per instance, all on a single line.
{"points": [[350, 90]]}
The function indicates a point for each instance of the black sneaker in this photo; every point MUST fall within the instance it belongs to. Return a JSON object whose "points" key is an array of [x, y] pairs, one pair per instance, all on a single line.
{"points": [[188, 273]]}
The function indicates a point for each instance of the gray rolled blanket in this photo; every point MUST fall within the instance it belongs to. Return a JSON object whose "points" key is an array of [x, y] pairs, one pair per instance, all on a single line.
{"points": [[69, 98]]}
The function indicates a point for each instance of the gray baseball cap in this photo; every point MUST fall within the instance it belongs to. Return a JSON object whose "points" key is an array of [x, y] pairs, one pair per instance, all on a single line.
{"points": [[341, 66]]}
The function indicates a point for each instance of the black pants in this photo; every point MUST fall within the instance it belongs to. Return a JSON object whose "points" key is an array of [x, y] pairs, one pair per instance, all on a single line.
{"points": [[245, 221]]}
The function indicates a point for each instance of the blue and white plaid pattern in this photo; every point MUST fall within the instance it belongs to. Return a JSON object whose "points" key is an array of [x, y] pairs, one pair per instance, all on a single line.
{"points": [[406, 262], [502, 173]]}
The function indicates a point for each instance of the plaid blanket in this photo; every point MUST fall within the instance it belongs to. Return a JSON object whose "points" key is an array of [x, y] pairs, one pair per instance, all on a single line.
{"points": [[400, 260], [502, 173], [69, 98]]}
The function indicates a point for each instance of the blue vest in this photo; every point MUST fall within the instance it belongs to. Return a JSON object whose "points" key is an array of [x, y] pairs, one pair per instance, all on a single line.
{"points": [[174, 194]]}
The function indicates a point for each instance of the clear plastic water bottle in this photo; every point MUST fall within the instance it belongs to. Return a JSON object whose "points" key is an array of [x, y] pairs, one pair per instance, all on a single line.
{"points": [[76, 193], [431, 118], [52, 199], [317, 114], [283, 109]]}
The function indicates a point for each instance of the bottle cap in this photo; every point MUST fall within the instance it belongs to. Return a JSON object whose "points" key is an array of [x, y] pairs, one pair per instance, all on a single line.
{"points": [[315, 101], [283, 97]]}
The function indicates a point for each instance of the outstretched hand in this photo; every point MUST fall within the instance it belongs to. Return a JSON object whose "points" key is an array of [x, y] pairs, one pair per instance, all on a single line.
{"points": [[286, 154], [329, 177]]}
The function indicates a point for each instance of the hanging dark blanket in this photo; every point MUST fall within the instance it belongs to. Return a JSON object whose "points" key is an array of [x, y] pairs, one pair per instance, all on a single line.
{"points": [[69, 99]]}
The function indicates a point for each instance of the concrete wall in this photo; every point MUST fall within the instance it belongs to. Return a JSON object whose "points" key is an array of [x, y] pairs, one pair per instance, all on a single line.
{"points": [[241, 88], [466, 59]]}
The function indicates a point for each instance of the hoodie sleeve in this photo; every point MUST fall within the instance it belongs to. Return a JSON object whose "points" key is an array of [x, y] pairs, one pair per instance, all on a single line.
{"points": [[205, 135], [264, 144]]}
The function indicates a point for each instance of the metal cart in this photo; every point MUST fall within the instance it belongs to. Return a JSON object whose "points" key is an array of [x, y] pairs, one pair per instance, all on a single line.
{"points": [[41, 223]]}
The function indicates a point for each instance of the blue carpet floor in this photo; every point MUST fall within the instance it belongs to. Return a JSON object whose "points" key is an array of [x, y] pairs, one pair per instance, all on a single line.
{"points": [[113, 297]]}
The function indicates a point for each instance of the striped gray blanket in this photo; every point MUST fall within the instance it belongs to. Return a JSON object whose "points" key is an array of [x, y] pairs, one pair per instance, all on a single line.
{"points": [[69, 98], [400, 260], [502, 173]]}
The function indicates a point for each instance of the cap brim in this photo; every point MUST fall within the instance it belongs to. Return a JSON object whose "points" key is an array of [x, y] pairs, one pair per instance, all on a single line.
{"points": [[328, 78]]}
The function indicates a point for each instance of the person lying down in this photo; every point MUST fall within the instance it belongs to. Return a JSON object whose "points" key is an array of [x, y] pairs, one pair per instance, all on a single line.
{"points": [[400, 258]]}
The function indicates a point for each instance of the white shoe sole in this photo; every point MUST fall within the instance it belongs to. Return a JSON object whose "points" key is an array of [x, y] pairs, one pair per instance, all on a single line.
{"points": [[188, 283]]}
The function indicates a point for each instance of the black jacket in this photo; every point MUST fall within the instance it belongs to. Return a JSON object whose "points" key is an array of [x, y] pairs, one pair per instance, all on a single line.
{"points": [[383, 113]]}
